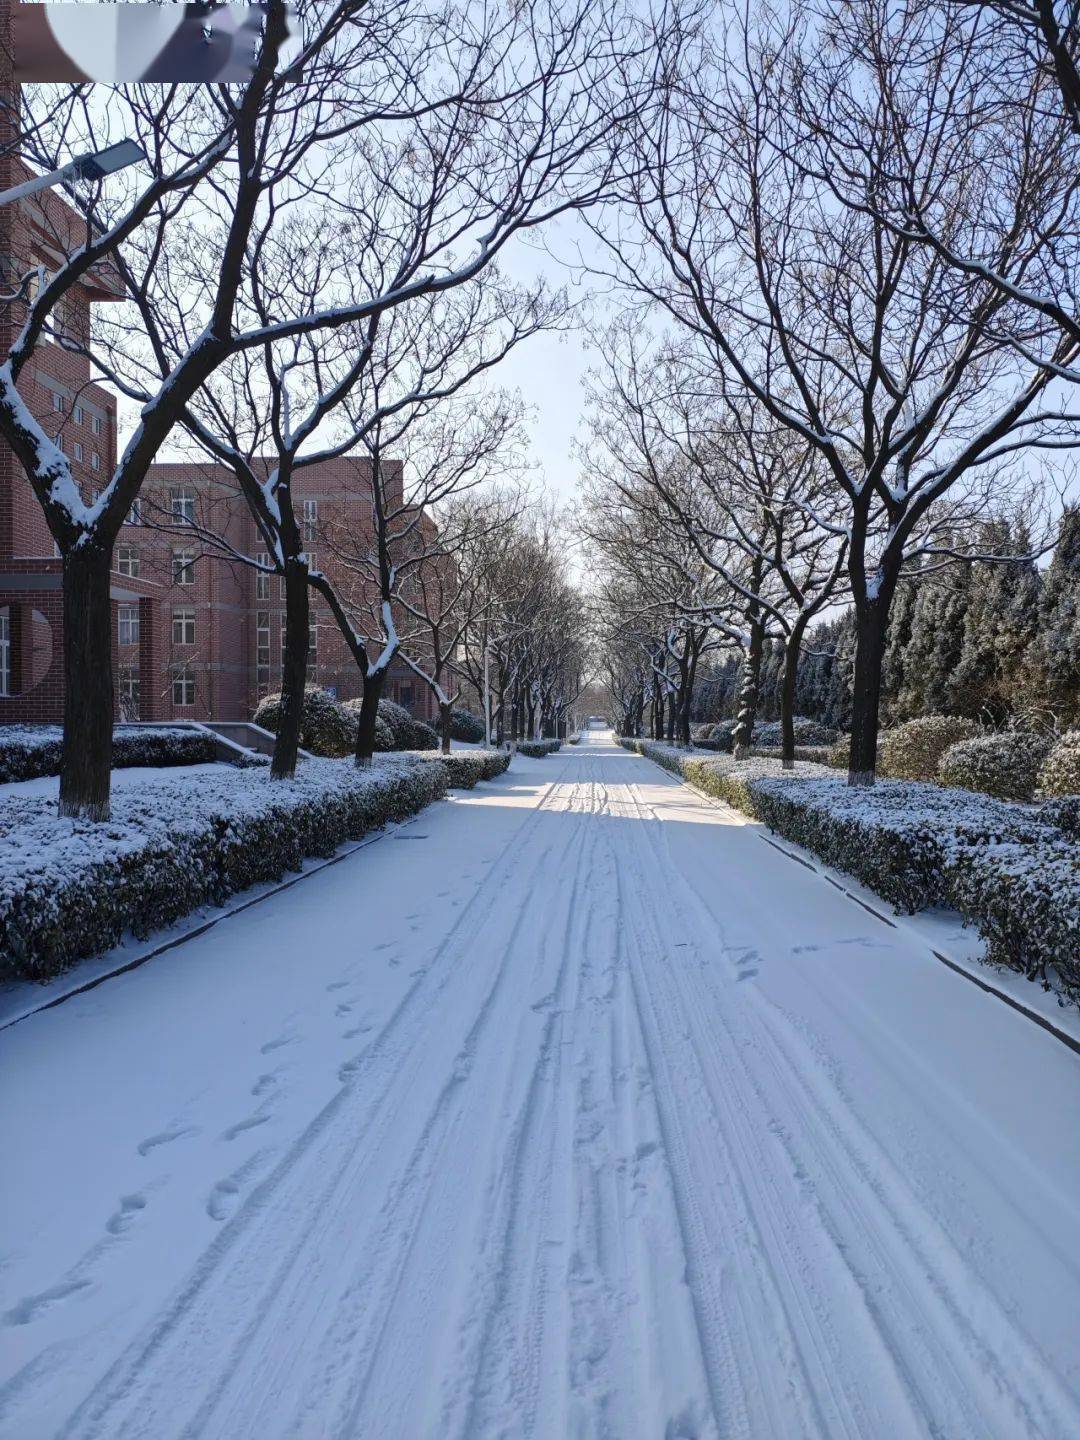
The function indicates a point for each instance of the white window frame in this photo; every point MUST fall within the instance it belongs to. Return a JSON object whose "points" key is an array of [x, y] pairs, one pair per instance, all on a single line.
{"points": [[95, 461], [78, 413], [262, 577], [183, 567], [134, 515], [183, 681], [182, 504], [78, 449], [127, 625], [95, 424], [128, 561], [58, 402], [183, 620], [5, 651], [311, 520]]}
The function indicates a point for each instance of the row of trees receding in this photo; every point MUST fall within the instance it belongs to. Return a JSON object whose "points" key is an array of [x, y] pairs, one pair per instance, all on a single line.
{"points": [[853, 233]]}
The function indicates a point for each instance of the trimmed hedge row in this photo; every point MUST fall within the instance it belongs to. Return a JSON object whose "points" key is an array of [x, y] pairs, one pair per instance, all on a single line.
{"points": [[1005, 765], [30, 752], [70, 889], [537, 749], [467, 768], [1011, 872]]}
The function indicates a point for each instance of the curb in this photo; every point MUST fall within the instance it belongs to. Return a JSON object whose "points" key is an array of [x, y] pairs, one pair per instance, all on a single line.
{"points": [[1066, 1039]]}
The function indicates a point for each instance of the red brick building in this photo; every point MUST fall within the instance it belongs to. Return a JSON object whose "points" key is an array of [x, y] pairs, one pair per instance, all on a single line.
{"points": [[195, 635]]}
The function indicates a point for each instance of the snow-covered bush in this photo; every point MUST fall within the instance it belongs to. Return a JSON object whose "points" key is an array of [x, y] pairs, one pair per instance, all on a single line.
{"points": [[913, 751], [466, 727], [30, 751], [384, 735], [816, 754], [1010, 872], [537, 749], [1060, 772], [1005, 765], [1064, 812], [807, 732], [72, 888], [324, 729], [422, 736], [466, 768]]}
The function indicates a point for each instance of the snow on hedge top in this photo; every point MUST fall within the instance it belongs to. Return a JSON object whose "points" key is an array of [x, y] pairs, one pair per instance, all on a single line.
{"points": [[37, 845], [33, 737]]}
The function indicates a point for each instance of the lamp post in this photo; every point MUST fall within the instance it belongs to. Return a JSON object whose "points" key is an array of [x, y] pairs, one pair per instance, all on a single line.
{"points": [[94, 166]]}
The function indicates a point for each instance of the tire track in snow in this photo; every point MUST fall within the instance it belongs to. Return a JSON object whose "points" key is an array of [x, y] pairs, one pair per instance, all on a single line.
{"points": [[952, 1368]]}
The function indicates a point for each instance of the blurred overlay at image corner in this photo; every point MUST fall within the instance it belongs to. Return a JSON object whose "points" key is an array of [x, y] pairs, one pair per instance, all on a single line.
{"points": [[113, 44]]}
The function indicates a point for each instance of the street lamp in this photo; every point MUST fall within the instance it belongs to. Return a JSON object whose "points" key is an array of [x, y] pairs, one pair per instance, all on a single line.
{"points": [[94, 166]]}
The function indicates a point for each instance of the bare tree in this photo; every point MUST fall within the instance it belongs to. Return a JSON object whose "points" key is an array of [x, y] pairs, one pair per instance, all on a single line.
{"points": [[436, 134], [909, 382]]}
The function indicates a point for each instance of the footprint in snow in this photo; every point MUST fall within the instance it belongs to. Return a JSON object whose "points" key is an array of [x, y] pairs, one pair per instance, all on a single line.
{"points": [[264, 1083], [130, 1205], [386, 944], [249, 1124], [342, 1010], [357, 1030], [32, 1306], [272, 1045], [225, 1195], [337, 985], [166, 1137], [746, 975]]}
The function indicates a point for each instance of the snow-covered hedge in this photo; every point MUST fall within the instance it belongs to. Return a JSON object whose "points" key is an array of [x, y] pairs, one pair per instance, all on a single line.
{"points": [[466, 768], [71, 888], [1064, 812], [913, 751], [395, 728], [1010, 871], [1005, 765], [384, 736], [29, 751], [537, 749], [816, 754], [574, 739], [466, 727], [324, 728], [807, 732], [1060, 773]]}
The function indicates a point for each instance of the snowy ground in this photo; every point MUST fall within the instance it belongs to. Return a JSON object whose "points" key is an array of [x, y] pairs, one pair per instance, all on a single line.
{"points": [[572, 1110]]}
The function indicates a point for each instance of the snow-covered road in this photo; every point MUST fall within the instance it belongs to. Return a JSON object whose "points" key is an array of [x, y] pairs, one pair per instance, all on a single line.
{"points": [[572, 1110]]}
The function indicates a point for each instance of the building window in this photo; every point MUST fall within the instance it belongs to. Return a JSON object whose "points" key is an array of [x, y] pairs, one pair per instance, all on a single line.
{"points": [[129, 692], [58, 402], [134, 515], [262, 650], [95, 461], [78, 413], [313, 631], [183, 505], [5, 651], [183, 567], [78, 449], [262, 579], [311, 519], [183, 687], [312, 560], [60, 445], [95, 424], [129, 624], [127, 560], [183, 627]]}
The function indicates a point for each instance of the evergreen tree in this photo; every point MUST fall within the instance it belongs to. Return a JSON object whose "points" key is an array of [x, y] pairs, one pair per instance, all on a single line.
{"points": [[1053, 660]]}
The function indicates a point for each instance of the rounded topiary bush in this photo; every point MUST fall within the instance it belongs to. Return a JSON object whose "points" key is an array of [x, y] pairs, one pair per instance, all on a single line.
{"points": [[422, 736], [1003, 765], [807, 732], [913, 750], [1064, 812], [1060, 772], [324, 729], [398, 721], [466, 727], [384, 736]]}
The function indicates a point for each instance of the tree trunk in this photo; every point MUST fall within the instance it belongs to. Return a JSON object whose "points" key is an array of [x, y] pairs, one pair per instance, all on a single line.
{"points": [[792, 651], [294, 665], [369, 713], [444, 725], [86, 767], [748, 692], [871, 625]]}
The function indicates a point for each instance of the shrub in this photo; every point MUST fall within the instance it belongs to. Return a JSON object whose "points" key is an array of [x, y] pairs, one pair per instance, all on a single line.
{"points": [[384, 736], [913, 750], [423, 737], [28, 752], [466, 767], [466, 727], [807, 732], [537, 749], [816, 754], [1060, 773], [324, 728], [395, 728], [1004, 765], [1064, 813], [70, 888], [1010, 872]]}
